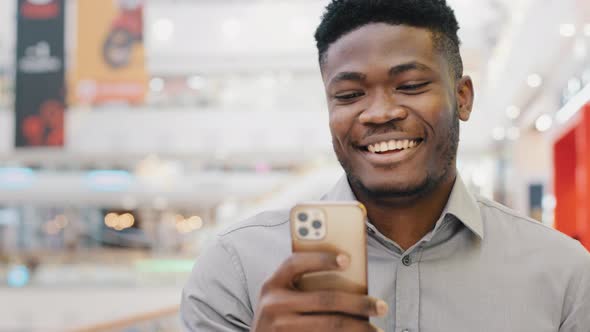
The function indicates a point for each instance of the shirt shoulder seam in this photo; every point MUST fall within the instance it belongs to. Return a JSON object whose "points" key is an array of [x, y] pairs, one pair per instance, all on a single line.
{"points": [[251, 226], [238, 267], [511, 213]]}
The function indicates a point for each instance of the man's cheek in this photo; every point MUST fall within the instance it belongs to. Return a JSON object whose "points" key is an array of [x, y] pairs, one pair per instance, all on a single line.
{"points": [[338, 128]]}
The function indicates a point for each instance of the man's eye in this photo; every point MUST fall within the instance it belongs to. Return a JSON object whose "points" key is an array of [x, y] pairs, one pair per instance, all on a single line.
{"points": [[349, 96], [412, 87]]}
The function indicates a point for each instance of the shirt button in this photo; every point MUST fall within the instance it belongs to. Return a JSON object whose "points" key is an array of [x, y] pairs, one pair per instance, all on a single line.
{"points": [[406, 261]]}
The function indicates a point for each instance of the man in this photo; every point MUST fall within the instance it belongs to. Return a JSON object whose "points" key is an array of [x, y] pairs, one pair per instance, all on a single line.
{"points": [[440, 259]]}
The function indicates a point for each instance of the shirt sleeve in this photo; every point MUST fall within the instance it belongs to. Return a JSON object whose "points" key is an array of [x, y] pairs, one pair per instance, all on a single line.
{"points": [[215, 297], [576, 313]]}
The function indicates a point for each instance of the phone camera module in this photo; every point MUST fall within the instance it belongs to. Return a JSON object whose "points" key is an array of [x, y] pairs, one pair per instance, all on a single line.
{"points": [[303, 231], [302, 216], [317, 224]]}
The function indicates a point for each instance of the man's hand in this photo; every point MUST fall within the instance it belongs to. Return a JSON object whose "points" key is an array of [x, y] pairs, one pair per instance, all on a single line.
{"points": [[284, 308]]}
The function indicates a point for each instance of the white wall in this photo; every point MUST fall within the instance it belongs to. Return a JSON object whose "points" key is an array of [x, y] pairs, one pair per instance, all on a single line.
{"points": [[6, 131]]}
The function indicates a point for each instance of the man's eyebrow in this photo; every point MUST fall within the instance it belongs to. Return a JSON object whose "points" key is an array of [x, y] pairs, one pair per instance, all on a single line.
{"points": [[405, 67], [348, 76], [397, 70]]}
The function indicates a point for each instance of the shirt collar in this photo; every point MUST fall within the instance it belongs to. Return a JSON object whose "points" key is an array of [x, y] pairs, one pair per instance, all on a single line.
{"points": [[461, 203]]}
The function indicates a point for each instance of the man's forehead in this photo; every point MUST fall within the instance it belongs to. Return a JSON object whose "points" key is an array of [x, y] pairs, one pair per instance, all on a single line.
{"points": [[375, 41]]}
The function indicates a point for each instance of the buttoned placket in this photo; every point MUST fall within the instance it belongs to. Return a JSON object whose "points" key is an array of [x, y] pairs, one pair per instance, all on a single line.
{"points": [[407, 290], [407, 287]]}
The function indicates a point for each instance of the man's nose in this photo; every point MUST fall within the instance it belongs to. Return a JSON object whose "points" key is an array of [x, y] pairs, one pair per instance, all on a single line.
{"points": [[382, 109]]}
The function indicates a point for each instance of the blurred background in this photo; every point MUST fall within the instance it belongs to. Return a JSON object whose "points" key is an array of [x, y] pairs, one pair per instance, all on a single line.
{"points": [[132, 131]]}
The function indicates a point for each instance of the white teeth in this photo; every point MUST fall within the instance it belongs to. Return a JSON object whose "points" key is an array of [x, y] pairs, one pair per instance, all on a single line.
{"points": [[392, 145]]}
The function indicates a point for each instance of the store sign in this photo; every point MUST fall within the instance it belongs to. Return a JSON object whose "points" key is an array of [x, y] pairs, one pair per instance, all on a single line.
{"points": [[39, 104], [110, 55]]}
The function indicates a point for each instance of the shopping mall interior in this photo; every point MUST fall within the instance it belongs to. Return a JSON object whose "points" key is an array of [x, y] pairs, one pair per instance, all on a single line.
{"points": [[132, 131]]}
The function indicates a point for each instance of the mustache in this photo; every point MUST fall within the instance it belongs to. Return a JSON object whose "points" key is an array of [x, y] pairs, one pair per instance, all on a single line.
{"points": [[384, 129]]}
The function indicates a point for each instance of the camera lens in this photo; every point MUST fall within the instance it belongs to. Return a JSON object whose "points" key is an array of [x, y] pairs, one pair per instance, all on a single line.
{"points": [[317, 224], [302, 216], [303, 231]]}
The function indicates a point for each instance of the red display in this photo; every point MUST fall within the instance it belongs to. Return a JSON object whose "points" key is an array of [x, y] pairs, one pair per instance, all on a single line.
{"points": [[571, 160]]}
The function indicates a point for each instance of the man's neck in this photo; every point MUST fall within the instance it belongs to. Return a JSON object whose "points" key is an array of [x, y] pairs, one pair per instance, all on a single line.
{"points": [[407, 223]]}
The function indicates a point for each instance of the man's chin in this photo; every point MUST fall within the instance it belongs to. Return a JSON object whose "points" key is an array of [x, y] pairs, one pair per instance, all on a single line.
{"points": [[391, 190]]}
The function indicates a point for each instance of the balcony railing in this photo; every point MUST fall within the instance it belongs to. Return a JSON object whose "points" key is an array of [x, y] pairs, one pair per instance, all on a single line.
{"points": [[164, 320]]}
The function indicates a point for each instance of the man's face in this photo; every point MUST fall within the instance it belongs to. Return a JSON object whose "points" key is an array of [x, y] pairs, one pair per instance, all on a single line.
{"points": [[394, 109]]}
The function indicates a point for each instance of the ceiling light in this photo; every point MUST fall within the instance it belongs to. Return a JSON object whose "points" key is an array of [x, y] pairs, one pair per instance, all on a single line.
{"points": [[499, 133], [111, 220], [163, 29], [513, 133], [544, 123], [195, 222], [127, 220], [513, 112], [534, 80], [567, 30], [587, 29]]}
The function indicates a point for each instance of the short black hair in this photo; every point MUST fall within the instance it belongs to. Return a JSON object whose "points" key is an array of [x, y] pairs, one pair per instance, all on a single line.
{"points": [[344, 16]]}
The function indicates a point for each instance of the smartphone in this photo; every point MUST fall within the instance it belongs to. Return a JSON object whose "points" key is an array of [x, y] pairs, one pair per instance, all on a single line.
{"points": [[337, 227]]}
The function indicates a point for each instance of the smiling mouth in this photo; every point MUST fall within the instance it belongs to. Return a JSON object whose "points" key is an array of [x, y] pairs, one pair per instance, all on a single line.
{"points": [[393, 146]]}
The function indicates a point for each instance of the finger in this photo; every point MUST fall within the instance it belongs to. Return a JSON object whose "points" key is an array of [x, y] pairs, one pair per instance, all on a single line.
{"points": [[329, 302], [316, 323], [301, 263]]}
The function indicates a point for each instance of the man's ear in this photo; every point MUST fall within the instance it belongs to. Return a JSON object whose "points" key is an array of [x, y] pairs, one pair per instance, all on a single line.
{"points": [[465, 97]]}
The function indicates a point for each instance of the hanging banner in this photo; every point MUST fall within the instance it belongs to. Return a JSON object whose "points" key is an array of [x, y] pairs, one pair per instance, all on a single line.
{"points": [[109, 62], [39, 95]]}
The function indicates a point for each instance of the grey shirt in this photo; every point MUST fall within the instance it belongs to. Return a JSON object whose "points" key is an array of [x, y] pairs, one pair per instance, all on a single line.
{"points": [[482, 268]]}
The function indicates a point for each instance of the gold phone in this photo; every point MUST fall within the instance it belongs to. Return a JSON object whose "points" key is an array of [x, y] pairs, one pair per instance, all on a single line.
{"points": [[337, 227]]}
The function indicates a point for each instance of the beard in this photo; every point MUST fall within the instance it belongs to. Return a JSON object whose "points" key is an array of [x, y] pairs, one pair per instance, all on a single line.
{"points": [[446, 148]]}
